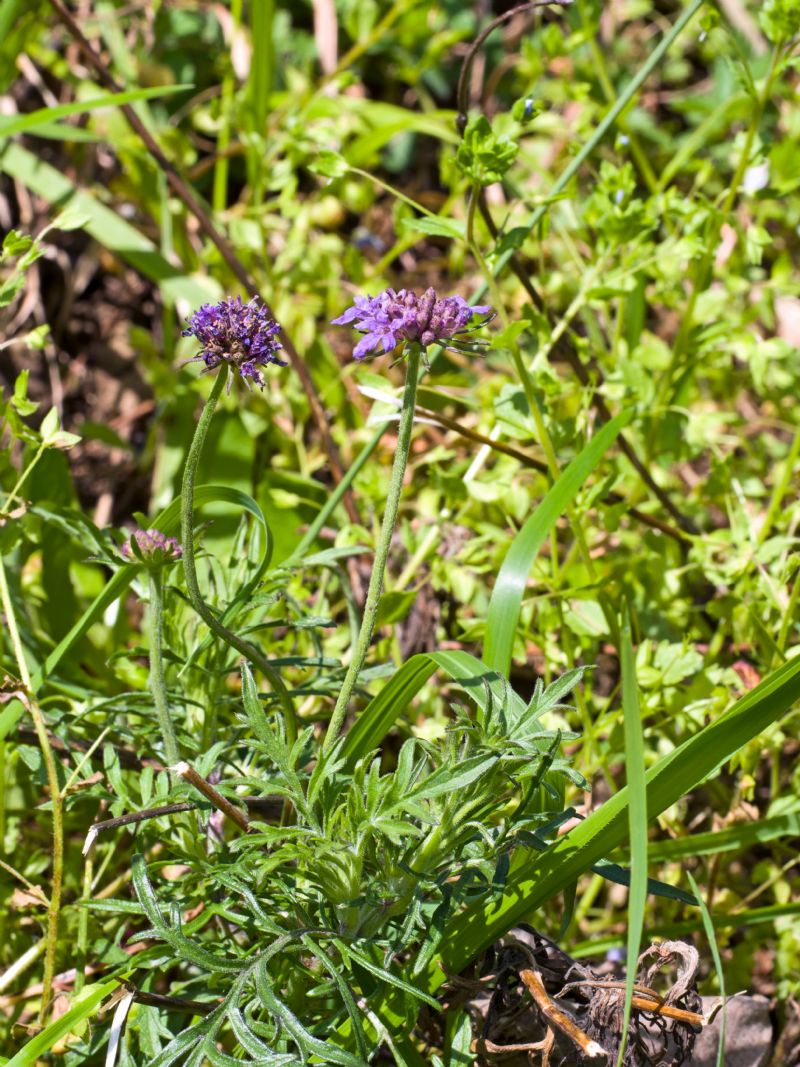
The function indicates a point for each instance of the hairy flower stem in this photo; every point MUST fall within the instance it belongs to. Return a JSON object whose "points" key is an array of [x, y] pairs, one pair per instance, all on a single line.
{"points": [[158, 684], [30, 702], [381, 549], [190, 569]]}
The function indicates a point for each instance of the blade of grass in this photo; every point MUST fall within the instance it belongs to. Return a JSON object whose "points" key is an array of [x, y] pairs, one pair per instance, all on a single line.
{"points": [[12, 124], [506, 601], [738, 836], [83, 1007], [637, 816], [596, 946], [111, 231], [708, 926]]}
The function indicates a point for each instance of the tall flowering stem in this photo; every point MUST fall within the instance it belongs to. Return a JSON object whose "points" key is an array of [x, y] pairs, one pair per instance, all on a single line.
{"points": [[27, 697], [361, 648], [154, 550], [190, 568], [158, 684]]}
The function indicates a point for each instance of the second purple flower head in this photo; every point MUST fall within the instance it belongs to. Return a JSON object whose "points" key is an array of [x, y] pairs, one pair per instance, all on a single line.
{"points": [[395, 316], [242, 335]]}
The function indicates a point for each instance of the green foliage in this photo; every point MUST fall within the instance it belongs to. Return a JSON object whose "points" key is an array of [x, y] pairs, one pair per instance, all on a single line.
{"points": [[484, 156], [370, 861], [628, 442], [780, 20]]}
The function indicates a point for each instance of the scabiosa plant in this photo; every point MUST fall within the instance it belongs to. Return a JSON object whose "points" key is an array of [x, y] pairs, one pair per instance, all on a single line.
{"points": [[395, 316], [151, 547], [386, 320], [240, 335]]}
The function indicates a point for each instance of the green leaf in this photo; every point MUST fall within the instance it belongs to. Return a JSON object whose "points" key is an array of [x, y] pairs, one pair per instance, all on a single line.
{"points": [[19, 401], [329, 165], [448, 780], [16, 244], [84, 1005], [384, 974], [481, 683], [483, 155], [395, 605], [50, 424], [11, 124], [506, 601], [183, 946], [637, 816], [305, 1039], [437, 227], [780, 19]]}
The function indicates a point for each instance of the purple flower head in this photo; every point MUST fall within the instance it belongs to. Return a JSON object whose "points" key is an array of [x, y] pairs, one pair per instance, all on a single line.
{"points": [[152, 548], [395, 316], [236, 333]]}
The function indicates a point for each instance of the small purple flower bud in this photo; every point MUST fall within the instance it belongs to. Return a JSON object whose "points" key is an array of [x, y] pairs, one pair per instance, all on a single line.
{"points": [[395, 316], [425, 306], [152, 548], [242, 335]]}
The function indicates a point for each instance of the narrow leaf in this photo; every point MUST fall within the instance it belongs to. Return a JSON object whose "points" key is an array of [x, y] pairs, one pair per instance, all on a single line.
{"points": [[509, 589], [637, 817]]}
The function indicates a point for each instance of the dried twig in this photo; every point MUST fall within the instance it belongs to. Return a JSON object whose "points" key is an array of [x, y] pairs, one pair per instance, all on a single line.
{"points": [[559, 1019], [159, 1000], [133, 817], [213, 796]]}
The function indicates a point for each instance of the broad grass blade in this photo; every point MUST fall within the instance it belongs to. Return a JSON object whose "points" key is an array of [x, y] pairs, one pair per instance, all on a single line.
{"points": [[509, 589], [83, 1007], [535, 878], [482, 684]]}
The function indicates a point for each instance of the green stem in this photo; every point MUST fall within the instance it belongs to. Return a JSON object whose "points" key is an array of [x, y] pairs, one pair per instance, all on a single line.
{"points": [[190, 567], [381, 549], [83, 923], [781, 486], [28, 698], [158, 683], [5, 510], [789, 614]]}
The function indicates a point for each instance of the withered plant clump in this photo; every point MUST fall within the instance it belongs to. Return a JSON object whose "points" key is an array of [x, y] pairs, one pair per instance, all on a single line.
{"points": [[535, 1004]]}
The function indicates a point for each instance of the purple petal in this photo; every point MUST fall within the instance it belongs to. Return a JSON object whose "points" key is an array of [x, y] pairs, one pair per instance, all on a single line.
{"points": [[347, 316], [366, 345]]}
